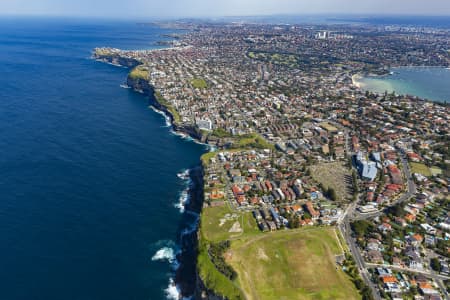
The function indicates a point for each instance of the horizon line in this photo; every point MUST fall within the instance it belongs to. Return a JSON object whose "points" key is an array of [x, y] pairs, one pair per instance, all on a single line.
{"points": [[199, 17]]}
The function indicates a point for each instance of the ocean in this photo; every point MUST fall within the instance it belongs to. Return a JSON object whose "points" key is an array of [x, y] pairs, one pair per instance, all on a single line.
{"points": [[90, 203], [426, 82]]}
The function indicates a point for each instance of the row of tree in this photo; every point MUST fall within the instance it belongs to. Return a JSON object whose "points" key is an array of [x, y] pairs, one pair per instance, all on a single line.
{"points": [[216, 252]]}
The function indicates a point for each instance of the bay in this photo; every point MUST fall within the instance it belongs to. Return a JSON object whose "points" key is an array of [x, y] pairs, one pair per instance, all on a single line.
{"points": [[430, 83]]}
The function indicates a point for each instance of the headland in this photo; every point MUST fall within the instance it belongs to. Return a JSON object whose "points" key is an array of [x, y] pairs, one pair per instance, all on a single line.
{"points": [[304, 156]]}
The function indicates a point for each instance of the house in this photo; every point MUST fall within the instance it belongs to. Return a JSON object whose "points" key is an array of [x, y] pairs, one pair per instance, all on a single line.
{"points": [[410, 218], [385, 227], [310, 209], [373, 244], [427, 289], [375, 256]]}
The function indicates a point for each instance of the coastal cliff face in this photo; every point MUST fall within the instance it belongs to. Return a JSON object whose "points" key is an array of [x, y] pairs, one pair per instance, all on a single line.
{"points": [[203, 293], [142, 85], [115, 59]]}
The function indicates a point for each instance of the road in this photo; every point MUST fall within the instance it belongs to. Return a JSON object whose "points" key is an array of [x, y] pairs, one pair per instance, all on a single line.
{"points": [[345, 229], [352, 214], [435, 276], [427, 273]]}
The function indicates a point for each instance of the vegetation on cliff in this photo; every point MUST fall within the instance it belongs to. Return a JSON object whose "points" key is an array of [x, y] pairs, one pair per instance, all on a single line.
{"points": [[139, 72], [168, 106], [211, 277]]}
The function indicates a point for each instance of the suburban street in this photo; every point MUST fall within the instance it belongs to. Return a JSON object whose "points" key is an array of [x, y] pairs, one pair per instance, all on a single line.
{"points": [[351, 214]]}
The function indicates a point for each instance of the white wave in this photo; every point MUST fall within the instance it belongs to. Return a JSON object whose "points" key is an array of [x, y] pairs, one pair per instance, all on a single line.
{"points": [[211, 148], [165, 253], [172, 291], [183, 200], [180, 134], [184, 174], [125, 86], [166, 117]]}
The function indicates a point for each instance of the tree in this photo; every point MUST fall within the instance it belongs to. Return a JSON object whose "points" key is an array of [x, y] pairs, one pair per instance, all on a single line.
{"points": [[294, 221], [435, 264], [361, 227], [366, 293], [359, 283], [306, 216], [332, 194]]}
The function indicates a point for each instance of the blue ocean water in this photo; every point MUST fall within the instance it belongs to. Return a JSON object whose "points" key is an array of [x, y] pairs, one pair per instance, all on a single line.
{"points": [[88, 185], [430, 83]]}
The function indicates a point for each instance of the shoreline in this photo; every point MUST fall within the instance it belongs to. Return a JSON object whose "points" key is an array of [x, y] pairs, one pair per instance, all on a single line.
{"points": [[378, 84], [179, 286], [356, 82]]}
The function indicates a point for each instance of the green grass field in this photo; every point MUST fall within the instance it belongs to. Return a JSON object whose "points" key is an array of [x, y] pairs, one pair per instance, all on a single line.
{"points": [[253, 140], [199, 83], [217, 222], [436, 171], [292, 264], [420, 168]]}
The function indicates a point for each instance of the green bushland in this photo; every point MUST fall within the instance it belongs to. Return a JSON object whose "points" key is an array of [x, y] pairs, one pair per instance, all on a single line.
{"points": [[221, 133]]}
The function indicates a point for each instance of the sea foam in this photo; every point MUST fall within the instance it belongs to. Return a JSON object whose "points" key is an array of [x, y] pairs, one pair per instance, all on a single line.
{"points": [[172, 291], [183, 200], [165, 253]]}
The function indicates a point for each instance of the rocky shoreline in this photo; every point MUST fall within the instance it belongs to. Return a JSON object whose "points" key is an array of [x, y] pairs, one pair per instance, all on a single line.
{"points": [[188, 284]]}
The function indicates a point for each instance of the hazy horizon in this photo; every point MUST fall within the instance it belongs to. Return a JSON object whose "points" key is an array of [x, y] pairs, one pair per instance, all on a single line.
{"points": [[220, 8]]}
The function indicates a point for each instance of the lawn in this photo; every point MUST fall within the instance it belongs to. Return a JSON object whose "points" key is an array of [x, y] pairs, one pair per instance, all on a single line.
{"points": [[334, 175], [420, 168], [205, 158], [291, 264], [217, 223], [199, 83], [436, 171]]}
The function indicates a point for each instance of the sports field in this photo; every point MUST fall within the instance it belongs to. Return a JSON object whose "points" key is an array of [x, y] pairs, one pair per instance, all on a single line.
{"points": [[291, 264]]}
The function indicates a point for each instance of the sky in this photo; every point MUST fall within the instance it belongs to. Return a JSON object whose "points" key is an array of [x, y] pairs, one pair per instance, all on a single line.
{"points": [[217, 8]]}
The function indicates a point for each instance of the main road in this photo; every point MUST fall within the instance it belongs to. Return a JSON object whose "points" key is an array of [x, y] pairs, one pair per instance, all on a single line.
{"points": [[351, 214]]}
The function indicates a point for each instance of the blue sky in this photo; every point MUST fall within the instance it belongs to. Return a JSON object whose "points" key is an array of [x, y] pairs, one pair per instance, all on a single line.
{"points": [[187, 8]]}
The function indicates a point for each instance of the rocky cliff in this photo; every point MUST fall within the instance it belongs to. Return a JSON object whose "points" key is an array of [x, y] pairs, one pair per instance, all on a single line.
{"points": [[115, 58], [142, 85]]}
